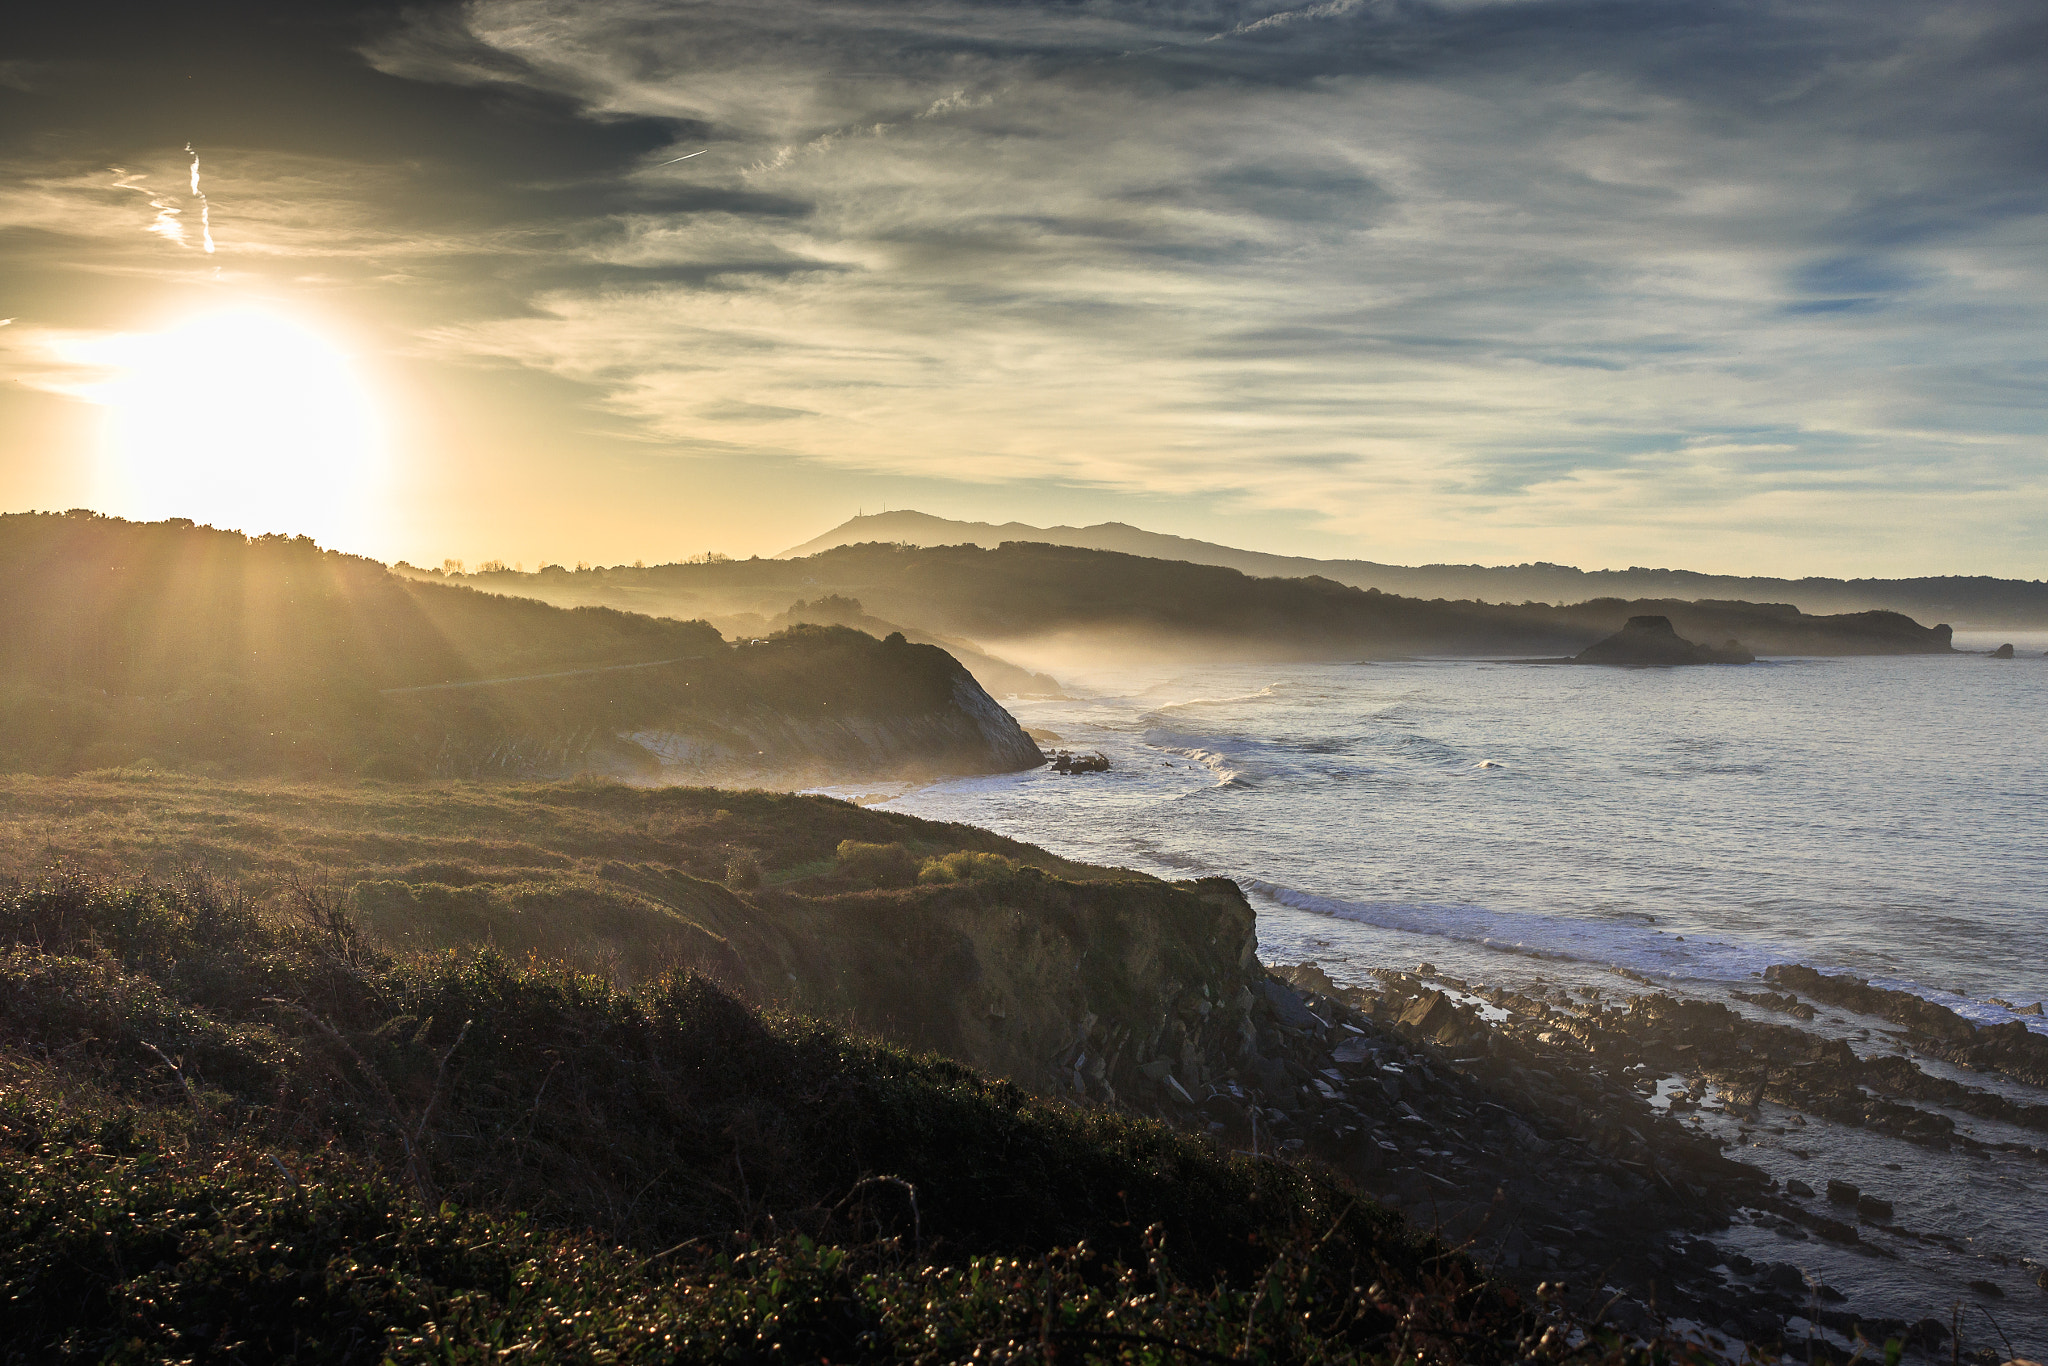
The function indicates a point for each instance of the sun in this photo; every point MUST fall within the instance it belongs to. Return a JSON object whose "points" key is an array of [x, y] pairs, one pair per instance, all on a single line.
{"points": [[242, 418]]}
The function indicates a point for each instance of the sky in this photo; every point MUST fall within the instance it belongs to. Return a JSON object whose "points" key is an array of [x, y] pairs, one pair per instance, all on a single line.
{"points": [[1728, 285]]}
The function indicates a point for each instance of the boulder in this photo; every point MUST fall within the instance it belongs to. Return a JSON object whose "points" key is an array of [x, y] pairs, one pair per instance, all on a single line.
{"points": [[1432, 1016], [1652, 643], [1287, 1006], [2002, 652]]}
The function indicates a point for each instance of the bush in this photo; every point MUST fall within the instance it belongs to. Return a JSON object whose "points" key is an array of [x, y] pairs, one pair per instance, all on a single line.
{"points": [[968, 865], [877, 865], [742, 870]]}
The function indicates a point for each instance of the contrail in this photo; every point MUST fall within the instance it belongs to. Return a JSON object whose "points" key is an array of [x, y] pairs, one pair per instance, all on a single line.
{"points": [[697, 153], [1332, 9], [205, 214]]}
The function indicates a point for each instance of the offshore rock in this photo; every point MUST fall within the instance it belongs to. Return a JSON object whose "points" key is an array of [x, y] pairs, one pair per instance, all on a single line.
{"points": [[1652, 643]]}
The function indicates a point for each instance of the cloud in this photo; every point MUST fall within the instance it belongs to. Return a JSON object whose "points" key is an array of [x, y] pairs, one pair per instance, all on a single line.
{"points": [[1444, 261], [1433, 275]]}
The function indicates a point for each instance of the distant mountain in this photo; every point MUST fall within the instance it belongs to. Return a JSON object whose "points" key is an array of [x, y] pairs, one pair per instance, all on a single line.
{"points": [[1963, 601]]}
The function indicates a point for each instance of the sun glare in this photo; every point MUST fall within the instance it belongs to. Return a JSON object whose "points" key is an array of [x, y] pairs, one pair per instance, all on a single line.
{"points": [[241, 418]]}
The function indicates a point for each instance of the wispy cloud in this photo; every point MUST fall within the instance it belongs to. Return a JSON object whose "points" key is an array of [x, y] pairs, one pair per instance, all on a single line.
{"points": [[1464, 278], [1447, 275]]}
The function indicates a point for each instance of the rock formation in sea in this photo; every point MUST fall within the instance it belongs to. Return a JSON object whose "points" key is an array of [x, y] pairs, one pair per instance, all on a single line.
{"points": [[1651, 643], [2002, 652]]}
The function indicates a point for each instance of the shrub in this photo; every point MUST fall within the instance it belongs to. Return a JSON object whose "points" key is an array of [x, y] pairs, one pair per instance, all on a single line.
{"points": [[742, 870], [968, 865], [877, 865]]}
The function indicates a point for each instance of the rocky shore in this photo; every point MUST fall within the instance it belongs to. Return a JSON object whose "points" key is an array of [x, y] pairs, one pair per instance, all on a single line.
{"points": [[1535, 1132]]}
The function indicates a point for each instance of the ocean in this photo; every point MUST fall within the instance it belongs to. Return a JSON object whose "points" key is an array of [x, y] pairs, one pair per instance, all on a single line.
{"points": [[1518, 824]]}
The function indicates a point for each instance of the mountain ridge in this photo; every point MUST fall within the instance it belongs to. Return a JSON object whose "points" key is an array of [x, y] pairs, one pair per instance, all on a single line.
{"points": [[1961, 600]]}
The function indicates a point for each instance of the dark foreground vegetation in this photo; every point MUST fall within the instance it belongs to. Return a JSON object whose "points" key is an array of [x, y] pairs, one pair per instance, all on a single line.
{"points": [[1079, 601], [170, 644], [230, 1134]]}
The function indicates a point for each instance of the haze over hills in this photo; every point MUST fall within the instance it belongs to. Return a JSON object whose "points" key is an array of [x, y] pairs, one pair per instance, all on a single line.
{"points": [[1961, 601], [1063, 606]]}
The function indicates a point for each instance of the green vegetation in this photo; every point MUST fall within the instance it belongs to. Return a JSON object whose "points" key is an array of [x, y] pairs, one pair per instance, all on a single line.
{"points": [[234, 1136], [876, 865], [167, 644], [967, 865], [609, 878]]}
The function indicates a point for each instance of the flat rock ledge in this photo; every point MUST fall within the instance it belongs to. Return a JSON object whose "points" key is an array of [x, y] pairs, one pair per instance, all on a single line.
{"points": [[1530, 1141]]}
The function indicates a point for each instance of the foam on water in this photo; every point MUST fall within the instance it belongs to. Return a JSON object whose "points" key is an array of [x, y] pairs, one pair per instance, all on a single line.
{"points": [[1620, 942]]}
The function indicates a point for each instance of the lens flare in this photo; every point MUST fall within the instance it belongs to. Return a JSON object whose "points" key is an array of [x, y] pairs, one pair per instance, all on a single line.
{"points": [[241, 418]]}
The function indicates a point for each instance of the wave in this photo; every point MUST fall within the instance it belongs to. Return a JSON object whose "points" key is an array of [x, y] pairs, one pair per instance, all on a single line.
{"points": [[1627, 943], [1218, 764], [1269, 691]]}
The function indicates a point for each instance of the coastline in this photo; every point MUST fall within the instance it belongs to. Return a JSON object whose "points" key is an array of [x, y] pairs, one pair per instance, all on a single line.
{"points": [[1653, 1100], [1542, 1136], [1602, 1144], [1737, 1254]]}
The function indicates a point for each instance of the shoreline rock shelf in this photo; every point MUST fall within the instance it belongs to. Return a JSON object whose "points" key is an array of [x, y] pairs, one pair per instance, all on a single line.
{"points": [[1532, 1139]]}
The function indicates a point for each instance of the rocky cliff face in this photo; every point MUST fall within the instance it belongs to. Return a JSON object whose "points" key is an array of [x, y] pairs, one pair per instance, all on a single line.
{"points": [[1135, 991], [970, 733], [813, 705]]}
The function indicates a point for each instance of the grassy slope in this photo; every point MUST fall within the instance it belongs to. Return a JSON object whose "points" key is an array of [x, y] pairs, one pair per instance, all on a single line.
{"points": [[629, 882], [269, 832], [336, 1156]]}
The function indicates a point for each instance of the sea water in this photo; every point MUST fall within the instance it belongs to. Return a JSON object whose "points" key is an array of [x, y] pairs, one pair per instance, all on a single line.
{"points": [[1515, 823]]}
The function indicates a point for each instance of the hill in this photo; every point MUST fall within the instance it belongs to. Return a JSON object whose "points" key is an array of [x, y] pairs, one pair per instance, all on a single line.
{"points": [[519, 1005], [231, 1137], [123, 642], [1964, 600], [1055, 602]]}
